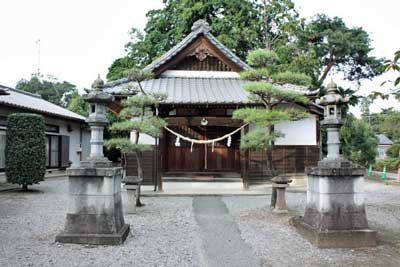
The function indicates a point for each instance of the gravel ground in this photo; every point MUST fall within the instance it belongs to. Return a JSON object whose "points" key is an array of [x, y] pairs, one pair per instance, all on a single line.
{"points": [[165, 232], [278, 244]]}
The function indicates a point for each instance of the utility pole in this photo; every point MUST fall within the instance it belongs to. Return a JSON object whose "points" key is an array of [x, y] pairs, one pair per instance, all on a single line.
{"points": [[38, 55]]}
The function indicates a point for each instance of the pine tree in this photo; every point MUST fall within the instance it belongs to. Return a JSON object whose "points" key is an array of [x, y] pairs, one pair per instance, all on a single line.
{"points": [[137, 116], [266, 87]]}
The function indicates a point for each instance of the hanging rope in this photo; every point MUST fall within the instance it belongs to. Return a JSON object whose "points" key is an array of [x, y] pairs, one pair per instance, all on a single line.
{"points": [[210, 141]]}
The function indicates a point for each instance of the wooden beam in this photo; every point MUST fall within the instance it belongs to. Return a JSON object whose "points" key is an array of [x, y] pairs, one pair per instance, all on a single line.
{"points": [[196, 121]]}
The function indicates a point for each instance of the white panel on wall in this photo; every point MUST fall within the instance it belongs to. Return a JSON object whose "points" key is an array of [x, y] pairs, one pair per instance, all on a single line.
{"points": [[303, 132], [143, 139]]}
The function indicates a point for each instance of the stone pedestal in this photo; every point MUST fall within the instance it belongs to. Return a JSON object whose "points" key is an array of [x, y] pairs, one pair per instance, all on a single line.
{"points": [[95, 213], [335, 213], [280, 205], [280, 183]]}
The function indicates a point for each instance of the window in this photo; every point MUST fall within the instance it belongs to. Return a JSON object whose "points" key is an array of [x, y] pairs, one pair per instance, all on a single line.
{"points": [[2, 149], [53, 151]]}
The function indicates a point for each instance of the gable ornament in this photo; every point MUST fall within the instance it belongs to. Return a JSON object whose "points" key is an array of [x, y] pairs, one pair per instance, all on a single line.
{"points": [[201, 53]]}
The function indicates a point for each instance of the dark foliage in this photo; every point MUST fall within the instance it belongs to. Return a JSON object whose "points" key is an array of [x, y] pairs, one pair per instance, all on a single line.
{"points": [[25, 149]]}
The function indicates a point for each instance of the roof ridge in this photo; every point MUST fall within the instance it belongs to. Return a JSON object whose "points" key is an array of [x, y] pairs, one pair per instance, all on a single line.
{"points": [[15, 100], [22, 92], [199, 27]]}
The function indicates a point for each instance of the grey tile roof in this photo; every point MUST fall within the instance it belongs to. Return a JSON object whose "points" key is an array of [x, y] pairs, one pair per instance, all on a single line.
{"points": [[383, 140], [192, 90], [35, 103], [199, 27]]}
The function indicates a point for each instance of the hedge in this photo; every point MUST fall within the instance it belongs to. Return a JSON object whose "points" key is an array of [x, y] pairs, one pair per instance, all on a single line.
{"points": [[25, 151], [391, 164]]}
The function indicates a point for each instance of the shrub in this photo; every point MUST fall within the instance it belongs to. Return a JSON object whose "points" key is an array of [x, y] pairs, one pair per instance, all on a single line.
{"points": [[393, 151], [25, 149], [391, 164]]}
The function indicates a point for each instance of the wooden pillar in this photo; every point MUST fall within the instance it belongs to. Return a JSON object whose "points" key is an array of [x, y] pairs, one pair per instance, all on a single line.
{"points": [[245, 172], [161, 162]]}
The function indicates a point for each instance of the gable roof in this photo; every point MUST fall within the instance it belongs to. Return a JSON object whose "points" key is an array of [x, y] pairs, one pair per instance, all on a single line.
{"points": [[200, 27], [195, 89], [383, 140], [35, 103]]}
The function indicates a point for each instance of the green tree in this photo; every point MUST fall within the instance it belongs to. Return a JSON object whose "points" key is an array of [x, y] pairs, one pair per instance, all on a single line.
{"points": [[364, 107], [392, 65], [78, 105], [317, 48], [264, 89], [327, 45], [138, 117], [389, 124], [241, 25], [50, 89], [25, 149], [359, 143]]}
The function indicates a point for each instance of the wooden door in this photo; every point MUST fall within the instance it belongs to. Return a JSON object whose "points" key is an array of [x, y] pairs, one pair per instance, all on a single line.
{"points": [[201, 157]]}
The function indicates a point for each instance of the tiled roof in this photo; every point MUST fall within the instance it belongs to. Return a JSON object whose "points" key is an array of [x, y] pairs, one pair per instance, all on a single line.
{"points": [[195, 90], [192, 90], [199, 27], [383, 140], [35, 103]]}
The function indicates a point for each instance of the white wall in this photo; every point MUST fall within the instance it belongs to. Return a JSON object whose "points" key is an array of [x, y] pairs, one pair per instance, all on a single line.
{"points": [[143, 139], [297, 133], [303, 132]]}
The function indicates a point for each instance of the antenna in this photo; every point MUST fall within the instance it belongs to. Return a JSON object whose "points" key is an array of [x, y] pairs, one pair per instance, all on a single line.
{"points": [[38, 53]]}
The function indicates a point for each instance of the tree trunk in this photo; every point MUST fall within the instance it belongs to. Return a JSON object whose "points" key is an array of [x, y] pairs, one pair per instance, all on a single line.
{"points": [[24, 187], [271, 167], [267, 43], [326, 72], [139, 161]]}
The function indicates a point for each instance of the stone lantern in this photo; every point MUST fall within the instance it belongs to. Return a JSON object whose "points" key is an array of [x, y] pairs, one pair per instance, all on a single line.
{"points": [[94, 206], [333, 105], [335, 212], [97, 120]]}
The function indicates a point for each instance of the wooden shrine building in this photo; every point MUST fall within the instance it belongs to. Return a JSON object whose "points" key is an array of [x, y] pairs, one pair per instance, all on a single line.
{"points": [[200, 78]]}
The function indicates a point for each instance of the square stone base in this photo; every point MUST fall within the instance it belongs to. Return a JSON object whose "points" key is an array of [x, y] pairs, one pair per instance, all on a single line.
{"points": [[335, 238], [95, 239]]}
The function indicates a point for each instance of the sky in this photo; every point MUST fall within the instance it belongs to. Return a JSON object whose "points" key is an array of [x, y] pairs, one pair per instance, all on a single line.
{"points": [[80, 39]]}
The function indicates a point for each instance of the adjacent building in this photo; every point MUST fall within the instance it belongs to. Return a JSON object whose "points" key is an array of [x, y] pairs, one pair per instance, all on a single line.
{"points": [[67, 134], [384, 143]]}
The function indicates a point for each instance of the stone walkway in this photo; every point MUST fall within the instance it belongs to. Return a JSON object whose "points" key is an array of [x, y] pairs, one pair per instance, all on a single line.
{"points": [[221, 240]]}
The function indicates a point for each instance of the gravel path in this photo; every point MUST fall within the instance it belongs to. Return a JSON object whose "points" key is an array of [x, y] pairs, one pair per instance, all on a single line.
{"points": [[278, 244], [222, 243], [175, 231], [164, 233]]}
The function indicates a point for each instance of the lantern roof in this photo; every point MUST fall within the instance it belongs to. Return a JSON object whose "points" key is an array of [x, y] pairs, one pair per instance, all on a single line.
{"points": [[332, 97]]}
